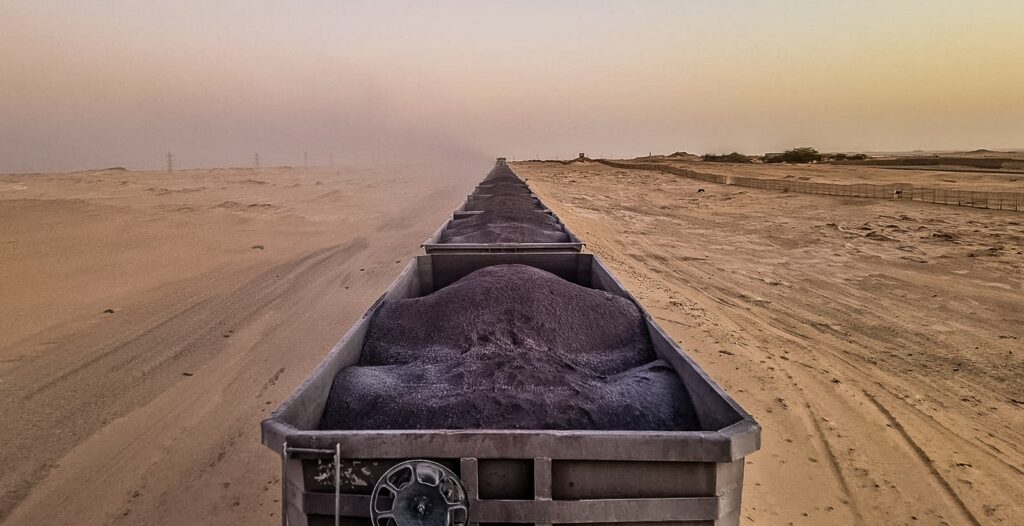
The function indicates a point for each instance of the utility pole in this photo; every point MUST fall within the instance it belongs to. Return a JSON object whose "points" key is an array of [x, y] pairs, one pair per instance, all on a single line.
{"points": [[256, 161], [170, 162], [305, 160]]}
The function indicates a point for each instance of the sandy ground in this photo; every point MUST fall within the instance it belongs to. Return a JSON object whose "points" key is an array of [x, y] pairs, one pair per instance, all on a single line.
{"points": [[879, 343], [227, 287]]}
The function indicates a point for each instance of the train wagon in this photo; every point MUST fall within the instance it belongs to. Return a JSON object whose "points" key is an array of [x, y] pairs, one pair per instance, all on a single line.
{"points": [[501, 476]]}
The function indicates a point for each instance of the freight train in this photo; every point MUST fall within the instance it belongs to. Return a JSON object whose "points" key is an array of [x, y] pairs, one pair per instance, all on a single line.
{"points": [[506, 377]]}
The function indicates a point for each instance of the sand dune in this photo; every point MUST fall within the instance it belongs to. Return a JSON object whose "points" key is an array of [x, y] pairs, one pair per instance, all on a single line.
{"points": [[878, 342]]}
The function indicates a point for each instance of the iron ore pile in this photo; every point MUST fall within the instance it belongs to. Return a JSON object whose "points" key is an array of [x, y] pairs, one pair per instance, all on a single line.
{"points": [[509, 346], [509, 214], [503, 188], [505, 225], [502, 173], [520, 202]]}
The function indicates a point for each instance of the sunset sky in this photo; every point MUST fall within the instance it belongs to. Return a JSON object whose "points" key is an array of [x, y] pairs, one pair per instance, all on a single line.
{"points": [[86, 84]]}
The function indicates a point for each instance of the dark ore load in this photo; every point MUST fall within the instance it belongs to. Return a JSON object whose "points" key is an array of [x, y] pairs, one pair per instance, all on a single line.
{"points": [[485, 202], [509, 347], [502, 173], [502, 189], [505, 225], [502, 215]]}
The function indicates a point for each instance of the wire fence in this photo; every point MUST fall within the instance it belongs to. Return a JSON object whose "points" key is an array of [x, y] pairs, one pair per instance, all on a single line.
{"points": [[994, 200]]}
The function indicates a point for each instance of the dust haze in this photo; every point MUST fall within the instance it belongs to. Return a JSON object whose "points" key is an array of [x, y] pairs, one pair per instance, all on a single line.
{"points": [[115, 83]]}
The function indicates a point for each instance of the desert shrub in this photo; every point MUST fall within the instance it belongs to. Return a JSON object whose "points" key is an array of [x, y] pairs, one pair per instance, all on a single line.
{"points": [[804, 154], [734, 157]]}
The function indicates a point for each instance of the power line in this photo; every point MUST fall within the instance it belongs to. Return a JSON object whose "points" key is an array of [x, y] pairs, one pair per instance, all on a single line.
{"points": [[170, 162]]}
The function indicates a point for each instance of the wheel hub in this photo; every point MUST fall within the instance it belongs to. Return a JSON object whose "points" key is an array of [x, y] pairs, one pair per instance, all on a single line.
{"points": [[419, 493]]}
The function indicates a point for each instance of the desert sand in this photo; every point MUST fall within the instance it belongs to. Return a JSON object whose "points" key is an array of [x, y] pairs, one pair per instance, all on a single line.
{"points": [[878, 342], [226, 288]]}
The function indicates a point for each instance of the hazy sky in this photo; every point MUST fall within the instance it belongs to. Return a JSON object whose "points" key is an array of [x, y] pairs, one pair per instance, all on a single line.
{"points": [[92, 83]]}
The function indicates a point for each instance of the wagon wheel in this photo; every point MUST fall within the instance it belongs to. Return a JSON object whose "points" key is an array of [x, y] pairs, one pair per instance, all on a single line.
{"points": [[419, 493]]}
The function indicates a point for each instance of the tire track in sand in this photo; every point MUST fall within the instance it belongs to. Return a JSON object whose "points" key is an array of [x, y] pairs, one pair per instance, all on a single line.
{"points": [[925, 459], [112, 378]]}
